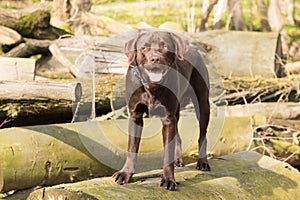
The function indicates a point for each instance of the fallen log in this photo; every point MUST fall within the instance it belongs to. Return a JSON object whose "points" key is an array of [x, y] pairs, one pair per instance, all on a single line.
{"points": [[9, 38], [51, 154], [37, 102], [245, 175], [28, 49], [44, 111], [39, 90], [16, 68], [221, 47], [259, 55], [32, 25], [271, 110]]}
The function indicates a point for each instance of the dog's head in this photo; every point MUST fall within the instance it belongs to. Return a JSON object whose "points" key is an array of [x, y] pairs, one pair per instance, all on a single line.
{"points": [[154, 53]]}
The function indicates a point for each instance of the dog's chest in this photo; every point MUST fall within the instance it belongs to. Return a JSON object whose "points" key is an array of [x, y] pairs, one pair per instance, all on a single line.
{"points": [[155, 105]]}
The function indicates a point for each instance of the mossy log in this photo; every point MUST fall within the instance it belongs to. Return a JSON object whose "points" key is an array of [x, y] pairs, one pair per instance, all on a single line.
{"points": [[44, 111], [51, 154], [244, 175], [35, 102], [32, 25]]}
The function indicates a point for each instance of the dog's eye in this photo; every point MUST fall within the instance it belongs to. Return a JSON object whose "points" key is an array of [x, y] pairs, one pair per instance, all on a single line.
{"points": [[145, 48], [163, 46]]}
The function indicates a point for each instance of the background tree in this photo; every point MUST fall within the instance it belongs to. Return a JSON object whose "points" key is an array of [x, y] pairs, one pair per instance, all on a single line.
{"points": [[263, 13], [274, 15], [236, 17]]}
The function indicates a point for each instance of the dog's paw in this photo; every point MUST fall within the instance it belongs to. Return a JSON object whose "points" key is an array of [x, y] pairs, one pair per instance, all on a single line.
{"points": [[168, 183], [122, 177], [203, 165]]}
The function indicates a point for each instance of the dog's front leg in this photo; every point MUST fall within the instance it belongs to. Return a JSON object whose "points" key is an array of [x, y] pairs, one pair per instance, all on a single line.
{"points": [[135, 127], [169, 141]]}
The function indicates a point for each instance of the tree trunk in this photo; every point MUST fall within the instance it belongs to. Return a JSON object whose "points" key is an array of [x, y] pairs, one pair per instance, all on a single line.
{"points": [[219, 13], [33, 25], [206, 15], [62, 10], [236, 16], [274, 16], [263, 12], [290, 5], [245, 175]]}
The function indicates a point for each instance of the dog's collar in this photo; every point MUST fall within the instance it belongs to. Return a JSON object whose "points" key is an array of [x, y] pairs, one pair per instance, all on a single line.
{"points": [[137, 74]]}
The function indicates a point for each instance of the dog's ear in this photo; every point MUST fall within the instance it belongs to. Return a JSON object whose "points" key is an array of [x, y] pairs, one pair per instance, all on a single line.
{"points": [[182, 45], [130, 50]]}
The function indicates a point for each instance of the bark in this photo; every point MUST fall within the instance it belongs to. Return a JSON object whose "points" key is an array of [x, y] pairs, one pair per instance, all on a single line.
{"points": [[44, 111], [9, 38], [236, 16], [33, 25], [263, 12], [72, 152], [221, 47], [219, 13], [28, 49], [271, 110], [292, 68], [248, 175], [274, 16], [206, 15], [290, 9], [38, 90], [16, 68], [254, 58], [62, 9]]}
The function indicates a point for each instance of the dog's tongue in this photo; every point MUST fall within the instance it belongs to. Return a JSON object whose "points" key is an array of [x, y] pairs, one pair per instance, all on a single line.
{"points": [[155, 77]]}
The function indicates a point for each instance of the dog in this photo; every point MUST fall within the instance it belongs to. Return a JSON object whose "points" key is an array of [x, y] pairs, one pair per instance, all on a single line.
{"points": [[163, 70]]}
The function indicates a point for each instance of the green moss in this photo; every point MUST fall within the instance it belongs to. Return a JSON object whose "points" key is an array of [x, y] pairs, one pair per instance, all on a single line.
{"points": [[29, 24], [293, 32]]}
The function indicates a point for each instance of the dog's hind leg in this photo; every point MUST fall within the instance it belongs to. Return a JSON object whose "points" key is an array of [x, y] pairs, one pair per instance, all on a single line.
{"points": [[178, 147], [202, 108]]}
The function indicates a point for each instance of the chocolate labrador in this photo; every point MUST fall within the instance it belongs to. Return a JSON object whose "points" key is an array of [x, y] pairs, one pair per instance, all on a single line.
{"points": [[163, 70]]}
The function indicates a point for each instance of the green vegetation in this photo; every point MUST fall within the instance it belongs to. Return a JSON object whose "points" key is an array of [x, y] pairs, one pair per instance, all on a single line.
{"points": [[157, 12], [293, 32]]}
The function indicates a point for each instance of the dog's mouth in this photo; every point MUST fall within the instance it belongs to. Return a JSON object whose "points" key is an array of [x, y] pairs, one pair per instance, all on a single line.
{"points": [[156, 74]]}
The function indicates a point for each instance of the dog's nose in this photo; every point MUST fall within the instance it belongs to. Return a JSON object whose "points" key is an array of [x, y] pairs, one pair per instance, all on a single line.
{"points": [[155, 59]]}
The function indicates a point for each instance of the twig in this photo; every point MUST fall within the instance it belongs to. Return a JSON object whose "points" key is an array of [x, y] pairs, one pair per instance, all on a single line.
{"points": [[290, 156]]}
